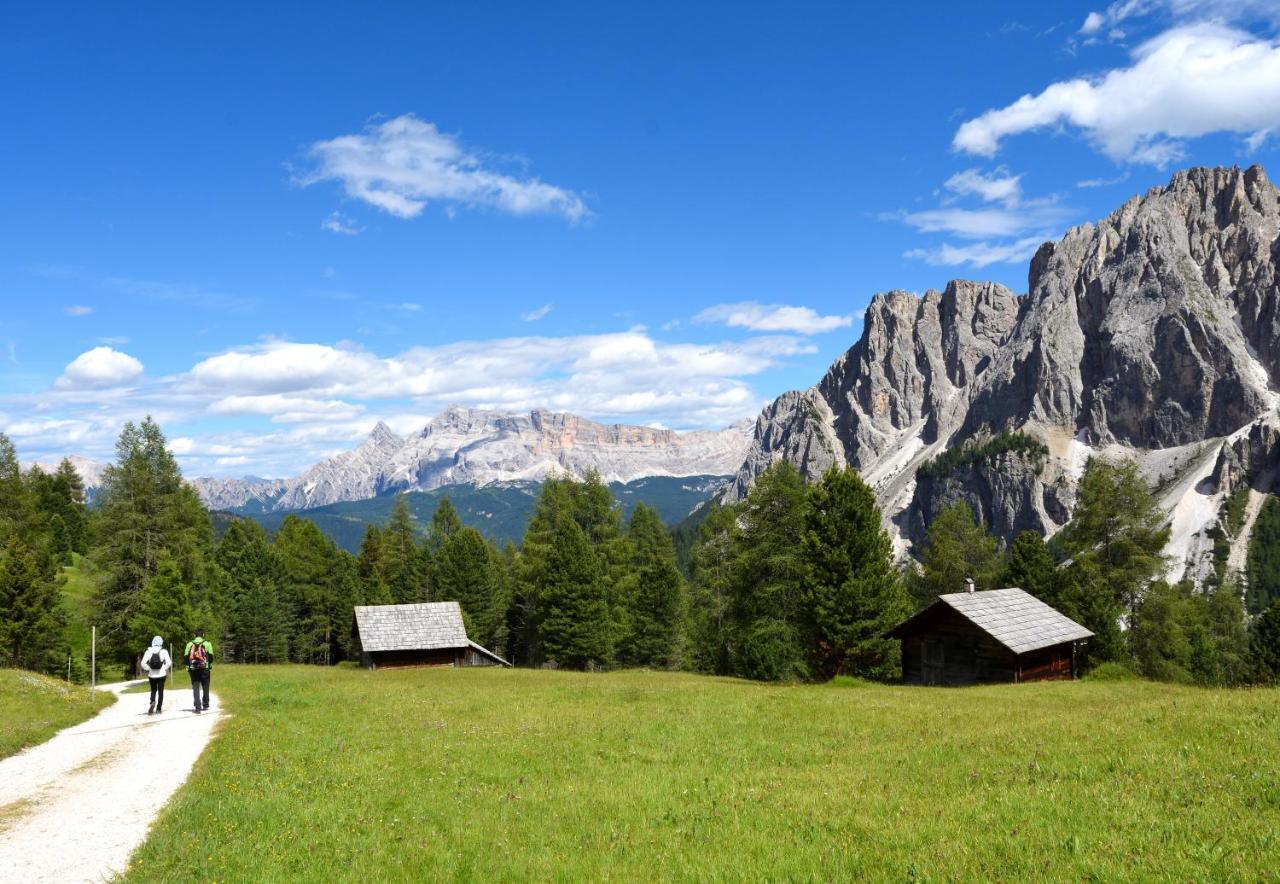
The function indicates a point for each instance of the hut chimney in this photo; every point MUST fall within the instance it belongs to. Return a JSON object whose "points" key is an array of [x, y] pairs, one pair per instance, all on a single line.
{"points": [[968, 584]]}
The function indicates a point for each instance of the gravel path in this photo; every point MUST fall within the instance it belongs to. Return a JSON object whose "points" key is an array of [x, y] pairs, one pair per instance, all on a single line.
{"points": [[74, 808]]}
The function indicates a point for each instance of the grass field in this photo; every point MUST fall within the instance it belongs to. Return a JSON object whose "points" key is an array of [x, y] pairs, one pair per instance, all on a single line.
{"points": [[77, 601], [34, 707], [340, 774]]}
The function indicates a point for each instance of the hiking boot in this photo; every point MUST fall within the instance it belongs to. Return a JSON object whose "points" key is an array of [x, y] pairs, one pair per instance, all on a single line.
{"points": [[151, 710]]}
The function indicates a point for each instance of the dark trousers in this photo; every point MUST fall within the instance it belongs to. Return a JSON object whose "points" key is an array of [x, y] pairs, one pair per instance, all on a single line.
{"points": [[199, 680], [157, 692]]}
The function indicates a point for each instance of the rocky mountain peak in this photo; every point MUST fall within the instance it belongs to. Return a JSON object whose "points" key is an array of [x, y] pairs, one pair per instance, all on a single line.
{"points": [[1155, 330]]}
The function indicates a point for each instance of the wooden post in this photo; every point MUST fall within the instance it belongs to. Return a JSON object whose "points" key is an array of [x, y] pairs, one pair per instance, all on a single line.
{"points": [[93, 660], [171, 665], [68, 669]]}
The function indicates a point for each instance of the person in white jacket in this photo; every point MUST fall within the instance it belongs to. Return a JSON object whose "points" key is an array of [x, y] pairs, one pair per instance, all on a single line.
{"points": [[156, 674]]}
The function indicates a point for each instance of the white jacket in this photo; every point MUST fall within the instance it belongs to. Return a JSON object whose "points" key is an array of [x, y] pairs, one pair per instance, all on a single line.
{"points": [[165, 667]]}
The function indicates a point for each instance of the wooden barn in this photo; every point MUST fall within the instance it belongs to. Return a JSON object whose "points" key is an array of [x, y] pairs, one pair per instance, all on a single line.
{"points": [[426, 634], [998, 635]]}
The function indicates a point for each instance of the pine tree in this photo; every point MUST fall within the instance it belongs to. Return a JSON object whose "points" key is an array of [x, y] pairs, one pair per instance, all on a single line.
{"points": [[402, 567], [1264, 644], [445, 522], [651, 597], [71, 488], [763, 616], [164, 608], [574, 628], [1031, 568], [13, 492], [31, 615], [852, 594], [1117, 528], [711, 567], [956, 547], [373, 589], [146, 510], [260, 634], [307, 589], [470, 571], [252, 573], [59, 540]]}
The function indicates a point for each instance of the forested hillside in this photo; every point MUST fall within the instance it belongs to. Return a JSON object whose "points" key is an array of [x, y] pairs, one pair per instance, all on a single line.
{"points": [[796, 582]]}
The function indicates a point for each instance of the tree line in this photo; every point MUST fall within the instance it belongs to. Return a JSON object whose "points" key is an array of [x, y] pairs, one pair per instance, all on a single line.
{"points": [[798, 581]]}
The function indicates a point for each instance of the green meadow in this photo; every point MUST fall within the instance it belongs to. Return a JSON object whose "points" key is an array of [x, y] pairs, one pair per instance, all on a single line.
{"points": [[35, 707], [345, 775]]}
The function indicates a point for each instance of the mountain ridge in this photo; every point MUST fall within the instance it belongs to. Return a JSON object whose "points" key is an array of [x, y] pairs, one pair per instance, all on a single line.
{"points": [[1154, 332]]}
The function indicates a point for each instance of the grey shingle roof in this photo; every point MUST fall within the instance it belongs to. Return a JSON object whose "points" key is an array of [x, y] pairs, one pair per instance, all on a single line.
{"points": [[1016, 619], [424, 626]]}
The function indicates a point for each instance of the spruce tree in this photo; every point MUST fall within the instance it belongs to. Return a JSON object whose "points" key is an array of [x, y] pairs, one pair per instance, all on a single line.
{"points": [[402, 567], [574, 629], [711, 568], [13, 491], [31, 614], [164, 608], [1264, 644], [260, 634], [956, 547], [764, 619], [1031, 568], [852, 594], [651, 594], [373, 588], [470, 571], [307, 590]]}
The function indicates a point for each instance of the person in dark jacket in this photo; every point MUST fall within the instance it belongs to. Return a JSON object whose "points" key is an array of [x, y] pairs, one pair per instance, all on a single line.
{"points": [[199, 657], [156, 674]]}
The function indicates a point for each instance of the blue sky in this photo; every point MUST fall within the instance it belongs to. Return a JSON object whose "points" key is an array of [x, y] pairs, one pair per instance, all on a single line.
{"points": [[272, 227]]}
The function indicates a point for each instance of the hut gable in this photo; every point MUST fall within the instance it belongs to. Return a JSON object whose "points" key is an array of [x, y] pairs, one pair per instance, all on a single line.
{"points": [[427, 633]]}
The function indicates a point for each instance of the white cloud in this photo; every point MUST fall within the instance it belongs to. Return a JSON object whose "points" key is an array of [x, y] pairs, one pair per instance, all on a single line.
{"points": [[400, 165], [1181, 10], [336, 222], [773, 318], [535, 315], [1187, 82], [999, 187], [1102, 182], [409, 307], [98, 368], [77, 310], [287, 409], [980, 254]]}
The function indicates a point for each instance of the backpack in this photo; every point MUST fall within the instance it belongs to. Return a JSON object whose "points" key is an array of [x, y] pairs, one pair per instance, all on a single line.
{"points": [[199, 658], [155, 661]]}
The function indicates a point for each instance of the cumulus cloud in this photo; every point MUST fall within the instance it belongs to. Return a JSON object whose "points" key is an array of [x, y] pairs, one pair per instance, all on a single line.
{"points": [[77, 310], [98, 368], [773, 318], [1189, 81], [287, 409], [401, 164], [535, 315]]}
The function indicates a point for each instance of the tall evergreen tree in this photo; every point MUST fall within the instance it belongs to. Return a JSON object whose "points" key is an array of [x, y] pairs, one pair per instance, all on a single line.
{"points": [[307, 590], [711, 567], [164, 608], [852, 593], [574, 629], [1118, 529], [373, 588], [470, 571], [402, 566], [764, 619], [146, 510], [1264, 644], [651, 594], [31, 615], [956, 547], [13, 492]]}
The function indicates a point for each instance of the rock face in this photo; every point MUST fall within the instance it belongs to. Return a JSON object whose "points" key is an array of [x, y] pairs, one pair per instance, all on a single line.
{"points": [[1150, 333], [472, 447]]}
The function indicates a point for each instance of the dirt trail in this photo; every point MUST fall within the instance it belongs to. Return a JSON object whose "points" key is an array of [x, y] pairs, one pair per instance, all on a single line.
{"points": [[74, 808]]}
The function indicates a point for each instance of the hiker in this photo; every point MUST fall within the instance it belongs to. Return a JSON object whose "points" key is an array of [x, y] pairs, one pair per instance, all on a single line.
{"points": [[199, 657], [156, 663]]}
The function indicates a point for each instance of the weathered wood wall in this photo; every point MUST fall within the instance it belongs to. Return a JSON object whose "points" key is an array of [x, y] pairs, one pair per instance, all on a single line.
{"points": [[945, 648]]}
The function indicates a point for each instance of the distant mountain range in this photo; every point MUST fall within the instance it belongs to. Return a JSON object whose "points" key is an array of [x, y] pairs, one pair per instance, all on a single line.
{"points": [[462, 450]]}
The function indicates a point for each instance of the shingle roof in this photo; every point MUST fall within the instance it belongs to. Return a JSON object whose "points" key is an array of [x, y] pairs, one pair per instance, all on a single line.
{"points": [[1016, 619], [424, 626]]}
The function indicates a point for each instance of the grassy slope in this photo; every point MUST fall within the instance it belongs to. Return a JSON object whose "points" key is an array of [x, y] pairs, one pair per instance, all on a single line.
{"points": [[34, 707], [340, 774], [77, 599]]}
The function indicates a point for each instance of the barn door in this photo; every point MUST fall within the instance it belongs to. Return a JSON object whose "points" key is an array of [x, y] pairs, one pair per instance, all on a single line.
{"points": [[934, 661]]}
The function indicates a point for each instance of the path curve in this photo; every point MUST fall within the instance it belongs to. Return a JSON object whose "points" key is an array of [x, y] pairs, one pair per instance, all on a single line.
{"points": [[74, 808]]}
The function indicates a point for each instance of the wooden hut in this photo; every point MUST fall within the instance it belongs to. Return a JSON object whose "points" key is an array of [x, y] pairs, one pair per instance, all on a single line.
{"points": [[998, 635], [426, 634]]}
